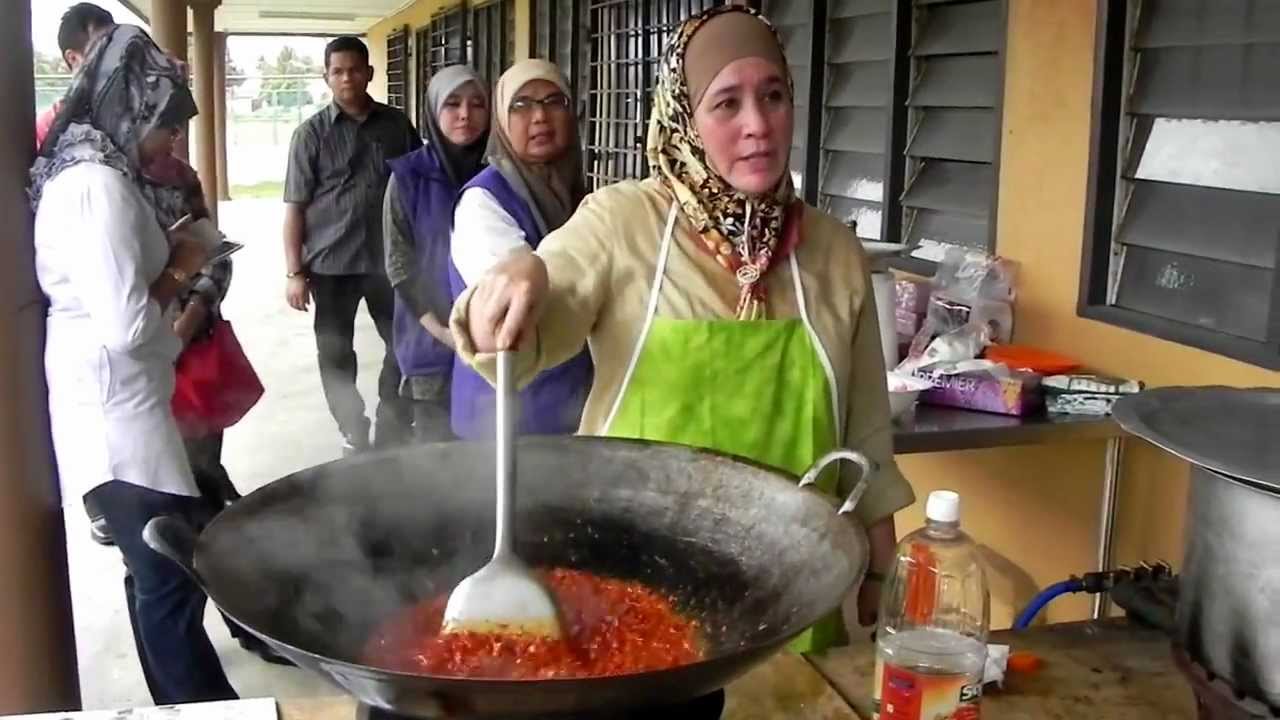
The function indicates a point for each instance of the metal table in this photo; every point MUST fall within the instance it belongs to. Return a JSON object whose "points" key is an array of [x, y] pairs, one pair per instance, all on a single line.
{"points": [[938, 429]]}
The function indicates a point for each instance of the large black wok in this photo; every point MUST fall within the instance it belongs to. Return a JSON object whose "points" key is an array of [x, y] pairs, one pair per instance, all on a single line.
{"points": [[313, 562]]}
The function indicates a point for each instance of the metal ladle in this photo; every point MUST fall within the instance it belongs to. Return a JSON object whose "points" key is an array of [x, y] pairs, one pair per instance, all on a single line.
{"points": [[504, 596]]}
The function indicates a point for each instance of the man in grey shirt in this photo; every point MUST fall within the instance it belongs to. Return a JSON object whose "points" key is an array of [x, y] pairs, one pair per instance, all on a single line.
{"points": [[333, 237]]}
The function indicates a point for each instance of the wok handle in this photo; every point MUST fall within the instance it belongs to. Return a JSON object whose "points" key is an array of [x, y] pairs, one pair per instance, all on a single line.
{"points": [[174, 539], [864, 464]]}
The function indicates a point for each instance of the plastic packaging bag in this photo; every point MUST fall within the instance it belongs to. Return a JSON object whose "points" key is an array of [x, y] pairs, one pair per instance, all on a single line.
{"points": [[966, 275], [962, 344], [969, 288]]}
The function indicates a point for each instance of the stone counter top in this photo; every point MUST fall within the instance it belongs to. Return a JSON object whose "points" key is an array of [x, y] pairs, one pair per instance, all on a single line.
{"points": [[1110, 670]]}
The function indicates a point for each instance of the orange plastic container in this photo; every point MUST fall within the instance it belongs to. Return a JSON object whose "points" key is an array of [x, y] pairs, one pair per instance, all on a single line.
{"points": [[1025, 357]]}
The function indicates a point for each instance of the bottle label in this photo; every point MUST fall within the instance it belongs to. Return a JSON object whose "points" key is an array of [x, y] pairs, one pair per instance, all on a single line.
{"points": [[904, 694]]}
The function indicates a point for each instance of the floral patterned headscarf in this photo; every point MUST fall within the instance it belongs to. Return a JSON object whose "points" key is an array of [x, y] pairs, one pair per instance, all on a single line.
{"points": [[741, 231]]}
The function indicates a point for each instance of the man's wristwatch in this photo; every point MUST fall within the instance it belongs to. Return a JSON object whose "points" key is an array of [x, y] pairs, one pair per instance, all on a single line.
{"points": [[296, 274], [179, 276]]}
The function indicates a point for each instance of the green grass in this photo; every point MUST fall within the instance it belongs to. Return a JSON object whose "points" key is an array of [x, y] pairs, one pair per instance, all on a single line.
{"points": [[272, 189]]}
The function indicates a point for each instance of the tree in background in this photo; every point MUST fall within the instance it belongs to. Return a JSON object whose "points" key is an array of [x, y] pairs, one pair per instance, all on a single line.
{"points": [[52, 78], [285, 81], [50, 64], [235, 73]]}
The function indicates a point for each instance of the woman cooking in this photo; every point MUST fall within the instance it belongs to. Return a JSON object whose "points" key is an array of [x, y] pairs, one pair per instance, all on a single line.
{"points": [[721, 311], [531, 187], [417, 217]]}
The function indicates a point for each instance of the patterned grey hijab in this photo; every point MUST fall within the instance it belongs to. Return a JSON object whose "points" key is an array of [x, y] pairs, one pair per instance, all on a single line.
{"points": [[126, 88]]}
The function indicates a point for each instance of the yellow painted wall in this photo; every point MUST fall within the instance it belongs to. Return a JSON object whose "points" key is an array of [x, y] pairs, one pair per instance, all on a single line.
{"points": [[524, 20], [416, 16], [1037, 507]]}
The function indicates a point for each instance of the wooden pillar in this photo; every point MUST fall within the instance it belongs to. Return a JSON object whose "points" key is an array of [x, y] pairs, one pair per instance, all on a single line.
{"points": [[206, 125], [220, 111], [38, 665], [169, 30]]}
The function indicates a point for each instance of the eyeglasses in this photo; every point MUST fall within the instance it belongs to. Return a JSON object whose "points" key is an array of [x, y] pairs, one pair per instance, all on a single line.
{"points": [[525, 105]]}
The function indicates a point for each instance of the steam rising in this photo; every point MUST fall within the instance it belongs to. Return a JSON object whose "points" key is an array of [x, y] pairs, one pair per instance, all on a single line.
{"points": [[319, 559]]}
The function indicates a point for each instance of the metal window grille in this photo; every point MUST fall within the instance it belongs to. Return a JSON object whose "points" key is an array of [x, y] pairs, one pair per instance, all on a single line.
{"points": [[627, 40], [422, 71], [398, 69], [447, 41], [558, 33], [542, 29], [957, 85], [493, 39], [1196, 229]]}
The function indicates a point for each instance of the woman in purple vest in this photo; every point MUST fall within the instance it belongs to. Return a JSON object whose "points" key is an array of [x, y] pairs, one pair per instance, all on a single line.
{"points": [[533, 184], [417, 215]]}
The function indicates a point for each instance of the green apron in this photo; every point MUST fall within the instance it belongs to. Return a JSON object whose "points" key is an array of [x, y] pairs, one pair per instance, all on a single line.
{"points": [[760, 389]]}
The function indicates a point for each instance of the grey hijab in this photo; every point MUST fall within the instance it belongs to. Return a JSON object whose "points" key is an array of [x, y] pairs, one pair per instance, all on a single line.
{"points": [[126, 88], [460, 162]]}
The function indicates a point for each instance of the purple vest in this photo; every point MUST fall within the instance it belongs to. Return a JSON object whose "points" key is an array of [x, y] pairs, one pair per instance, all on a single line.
{"points": [[427, 196], [551, 404]]}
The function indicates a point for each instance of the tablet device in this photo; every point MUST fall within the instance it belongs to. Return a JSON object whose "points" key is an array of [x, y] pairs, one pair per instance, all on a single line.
{"points": [[225, 249]]}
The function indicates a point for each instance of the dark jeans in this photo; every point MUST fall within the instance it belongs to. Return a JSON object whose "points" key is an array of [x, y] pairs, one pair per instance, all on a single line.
{"points": [[431, 420], [337, 297], [166, 607], [205, 456]]}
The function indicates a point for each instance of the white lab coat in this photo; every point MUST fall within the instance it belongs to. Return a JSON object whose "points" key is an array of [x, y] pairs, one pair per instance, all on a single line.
{"points": [[110, 349]]}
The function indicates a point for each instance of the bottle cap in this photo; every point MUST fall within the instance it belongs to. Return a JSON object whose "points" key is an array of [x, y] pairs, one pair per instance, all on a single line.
{"points": [[943, 506]]}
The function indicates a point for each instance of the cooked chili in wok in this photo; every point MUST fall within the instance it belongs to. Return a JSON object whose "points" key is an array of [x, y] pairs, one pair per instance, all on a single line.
{"points": [[611, 627]]}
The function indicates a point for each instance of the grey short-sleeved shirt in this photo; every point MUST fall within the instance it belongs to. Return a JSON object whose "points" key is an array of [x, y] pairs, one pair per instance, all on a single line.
{"points": [[338, 171]]}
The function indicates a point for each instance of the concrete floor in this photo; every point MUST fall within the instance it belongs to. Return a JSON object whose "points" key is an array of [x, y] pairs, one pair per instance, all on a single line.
{"points": [[290, 429]]}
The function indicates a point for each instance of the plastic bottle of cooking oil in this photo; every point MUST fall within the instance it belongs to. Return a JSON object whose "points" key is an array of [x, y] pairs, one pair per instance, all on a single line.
{"points": [[931, 642]]}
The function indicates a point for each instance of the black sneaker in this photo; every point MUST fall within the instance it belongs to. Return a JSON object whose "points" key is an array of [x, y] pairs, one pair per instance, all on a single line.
{"points": [[100, 533]]}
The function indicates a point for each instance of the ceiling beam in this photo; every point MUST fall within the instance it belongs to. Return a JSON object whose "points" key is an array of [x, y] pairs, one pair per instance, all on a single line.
{"points": [[132, 6]]}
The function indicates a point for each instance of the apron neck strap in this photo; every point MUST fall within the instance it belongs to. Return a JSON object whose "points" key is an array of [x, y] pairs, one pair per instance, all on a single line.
{"points": [[660, 271]]}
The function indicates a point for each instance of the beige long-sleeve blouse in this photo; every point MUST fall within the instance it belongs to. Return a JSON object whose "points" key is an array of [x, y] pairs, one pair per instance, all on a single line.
{"points": [[601, 266]]}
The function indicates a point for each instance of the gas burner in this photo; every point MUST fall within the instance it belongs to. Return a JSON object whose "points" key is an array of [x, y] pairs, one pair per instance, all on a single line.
{"points": [[1215, 699], [707, 707]]}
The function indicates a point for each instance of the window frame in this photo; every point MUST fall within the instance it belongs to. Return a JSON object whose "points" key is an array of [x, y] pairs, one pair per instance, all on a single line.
{"points": [[399, 63], [550, 11], [904, 63], [632, 67], [421, 71], [439, 28], [903, 12], [1111, 77], [893, 222], [495, 19]]}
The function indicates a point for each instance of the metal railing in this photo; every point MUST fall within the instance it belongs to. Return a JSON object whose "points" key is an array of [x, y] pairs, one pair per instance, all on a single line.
{"points": [[262, 113]]}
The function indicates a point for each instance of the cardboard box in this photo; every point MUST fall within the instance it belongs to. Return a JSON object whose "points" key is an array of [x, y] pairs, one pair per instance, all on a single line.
{"points": [[1017, 394], [911, 295], [907, 322]]}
